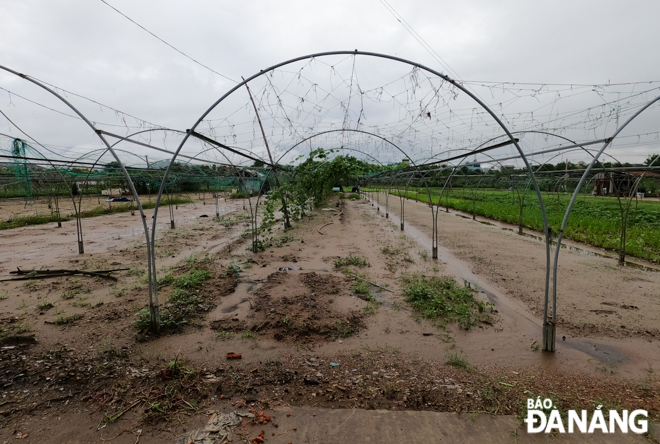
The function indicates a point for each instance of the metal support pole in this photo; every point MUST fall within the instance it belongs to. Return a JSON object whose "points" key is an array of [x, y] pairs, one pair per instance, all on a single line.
{"points": [[287, 222], [387, 204], [549, 336], [434, 238]]}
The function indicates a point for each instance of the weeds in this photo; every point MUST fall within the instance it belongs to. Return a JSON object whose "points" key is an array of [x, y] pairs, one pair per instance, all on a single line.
{"points": [[273, 361], [388, 249], [139, 272], [372, 307], [352, 260], [247, 335], [183, 305], [82, 302], [107, 349], [24, 327], [456, 359], [192, 279], [343, 330], [45, 305], [165, 280], [63, 319], [361, 287], [441, 299], [224, 335]]}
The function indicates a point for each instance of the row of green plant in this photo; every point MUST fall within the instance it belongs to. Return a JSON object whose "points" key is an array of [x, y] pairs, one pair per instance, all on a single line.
{"points": [[593, 220], [101, 210], [307, 185]]}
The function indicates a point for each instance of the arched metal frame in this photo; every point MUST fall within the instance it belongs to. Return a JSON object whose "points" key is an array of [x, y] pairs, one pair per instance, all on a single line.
{"points": [[383, 56], [549, 327], [153, 301]]}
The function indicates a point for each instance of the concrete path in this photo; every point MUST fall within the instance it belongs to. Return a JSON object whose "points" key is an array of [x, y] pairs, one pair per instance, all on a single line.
{"points": [[383, 426]]}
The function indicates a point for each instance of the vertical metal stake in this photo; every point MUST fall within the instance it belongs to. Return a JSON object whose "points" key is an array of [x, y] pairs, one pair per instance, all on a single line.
{"points": [[549, 335]]}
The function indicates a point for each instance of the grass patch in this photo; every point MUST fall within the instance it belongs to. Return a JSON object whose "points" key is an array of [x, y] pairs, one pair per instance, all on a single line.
{"points": [[239, 195], [389, 249], [63, 319], [82, 302], [224, 335], [361, 287], [45, 305], [456, 359], [343, 330], [357, 261], [24, 221], [372, 307], [168, 279], [24, 327], [247, 335], [193, 279], [273, 361], [182, 306], [442, 299]]}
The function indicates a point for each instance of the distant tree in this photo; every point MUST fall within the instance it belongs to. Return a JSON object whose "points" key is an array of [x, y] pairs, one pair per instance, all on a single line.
{"points": [[652, 160]]}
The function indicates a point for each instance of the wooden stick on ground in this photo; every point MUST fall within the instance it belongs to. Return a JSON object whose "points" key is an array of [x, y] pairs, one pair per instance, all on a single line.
{"points": [[329, 223]]}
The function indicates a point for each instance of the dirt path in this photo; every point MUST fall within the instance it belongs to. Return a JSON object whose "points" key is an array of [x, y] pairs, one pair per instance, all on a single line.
{"points": [[596, 299]]}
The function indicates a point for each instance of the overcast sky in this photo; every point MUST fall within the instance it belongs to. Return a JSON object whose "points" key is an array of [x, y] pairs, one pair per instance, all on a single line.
{"points": [[88, 48]]}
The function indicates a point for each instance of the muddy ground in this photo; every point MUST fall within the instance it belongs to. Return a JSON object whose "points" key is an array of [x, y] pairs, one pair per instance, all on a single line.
{"points": [[306, 338]]}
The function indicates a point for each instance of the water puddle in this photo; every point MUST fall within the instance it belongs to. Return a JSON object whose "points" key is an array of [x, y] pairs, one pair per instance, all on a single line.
{"points": [[639, 267], [229, 309], [380, 297]]}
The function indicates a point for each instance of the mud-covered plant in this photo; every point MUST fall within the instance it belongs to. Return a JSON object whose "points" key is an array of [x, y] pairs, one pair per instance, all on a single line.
{"points": [[45, 305], [442, 299], [247, 335], [361, 287], [182, 306], [224, 335], [343, 329], [351, 259], [63, 319]]}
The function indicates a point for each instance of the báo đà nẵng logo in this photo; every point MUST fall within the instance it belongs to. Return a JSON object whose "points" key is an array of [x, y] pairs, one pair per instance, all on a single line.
{"points": [[539, 420]]}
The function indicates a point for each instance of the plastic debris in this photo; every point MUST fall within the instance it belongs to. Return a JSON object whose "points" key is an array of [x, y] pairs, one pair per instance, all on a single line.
{"points": [[334, 364], [216, 431]]}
